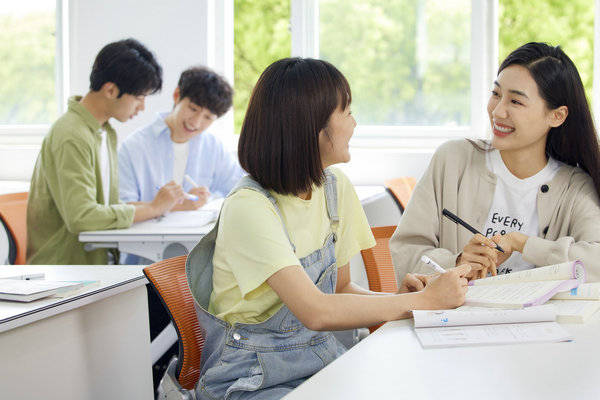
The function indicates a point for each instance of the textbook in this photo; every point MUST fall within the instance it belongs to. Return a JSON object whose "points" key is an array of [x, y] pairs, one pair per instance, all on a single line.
{"points": [[526, 288], [467, 315], [468, 326], [28, 290], [585, 291]]}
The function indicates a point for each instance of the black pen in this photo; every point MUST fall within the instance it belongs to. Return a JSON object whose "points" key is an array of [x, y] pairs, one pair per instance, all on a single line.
{"points": [[459, 221]]}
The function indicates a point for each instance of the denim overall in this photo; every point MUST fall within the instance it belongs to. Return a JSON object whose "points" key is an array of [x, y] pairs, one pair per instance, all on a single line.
{"points": [[271, 358]]}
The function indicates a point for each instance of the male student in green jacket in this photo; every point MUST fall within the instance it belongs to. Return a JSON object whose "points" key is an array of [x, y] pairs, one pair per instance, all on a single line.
{"points": [[75, 184]]}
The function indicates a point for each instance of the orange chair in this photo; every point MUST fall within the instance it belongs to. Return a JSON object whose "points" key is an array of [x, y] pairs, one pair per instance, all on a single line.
{"points": [[378, 263], [401, 189], [168, 279], [13, 212]]}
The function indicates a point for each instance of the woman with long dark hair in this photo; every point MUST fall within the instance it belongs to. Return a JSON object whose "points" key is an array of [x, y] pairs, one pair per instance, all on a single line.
{"points": [[533, 189]]}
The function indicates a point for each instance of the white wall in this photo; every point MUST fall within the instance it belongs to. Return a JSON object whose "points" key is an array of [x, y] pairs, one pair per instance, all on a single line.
{"points": [[173, 30]]}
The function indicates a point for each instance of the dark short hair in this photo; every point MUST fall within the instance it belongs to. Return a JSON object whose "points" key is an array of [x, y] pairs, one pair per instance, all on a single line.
{"points": [[129, 65], [290, 104], [206, 88], [574, 142]]}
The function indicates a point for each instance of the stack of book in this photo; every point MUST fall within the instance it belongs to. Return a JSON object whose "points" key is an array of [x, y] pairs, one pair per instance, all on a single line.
{"points": [[514, 308]]}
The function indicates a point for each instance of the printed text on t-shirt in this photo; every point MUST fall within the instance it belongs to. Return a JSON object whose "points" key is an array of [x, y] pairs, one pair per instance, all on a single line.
{"points": [[505, 220]]}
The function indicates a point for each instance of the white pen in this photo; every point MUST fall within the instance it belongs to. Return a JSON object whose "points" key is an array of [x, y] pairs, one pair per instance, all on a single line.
{"points": [[190, 180], [194, 184], [25, 277], [433, 264]]}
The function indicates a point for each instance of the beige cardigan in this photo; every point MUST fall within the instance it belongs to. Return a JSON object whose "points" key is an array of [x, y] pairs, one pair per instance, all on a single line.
{"points": [[457, 179]]}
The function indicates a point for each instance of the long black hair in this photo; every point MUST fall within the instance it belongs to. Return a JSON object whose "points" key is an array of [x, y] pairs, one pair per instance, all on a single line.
{"points": [[574, 142]]}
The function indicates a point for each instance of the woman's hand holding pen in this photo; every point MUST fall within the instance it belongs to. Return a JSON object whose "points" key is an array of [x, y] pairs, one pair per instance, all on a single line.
{"points": [[447, 290], [481, 252]]}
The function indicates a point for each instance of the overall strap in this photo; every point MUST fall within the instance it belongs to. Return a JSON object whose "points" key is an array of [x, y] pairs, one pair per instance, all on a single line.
{"points": [[331, 199], [248, 183]]}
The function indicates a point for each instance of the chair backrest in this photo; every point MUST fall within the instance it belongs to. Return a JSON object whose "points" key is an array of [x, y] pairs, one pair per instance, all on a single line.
{"points": [[168, 278], [401, 189], [378, 263], [13, 211]]}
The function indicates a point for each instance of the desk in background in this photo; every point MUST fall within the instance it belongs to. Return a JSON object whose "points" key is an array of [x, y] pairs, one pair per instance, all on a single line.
{"points": [[391, 363], [156, 242], [95, 345]]}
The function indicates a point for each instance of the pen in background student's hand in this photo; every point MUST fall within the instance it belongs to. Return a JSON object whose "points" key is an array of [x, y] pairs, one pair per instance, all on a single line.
{"points": [[190, 180], [194, 184], [433, 264], [459, 221]]}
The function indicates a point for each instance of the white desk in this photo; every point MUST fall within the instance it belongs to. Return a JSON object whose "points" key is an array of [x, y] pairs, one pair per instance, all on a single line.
{"points": [[95, 345], [390, 363], [155, 240], [159, 241]]}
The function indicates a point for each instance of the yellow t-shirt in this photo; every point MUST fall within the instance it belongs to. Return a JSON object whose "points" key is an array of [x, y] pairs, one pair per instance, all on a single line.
{"points": [[251, 245]]}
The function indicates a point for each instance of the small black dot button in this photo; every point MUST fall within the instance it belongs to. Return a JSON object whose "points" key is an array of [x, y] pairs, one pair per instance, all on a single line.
{"points": [[545, 188]]}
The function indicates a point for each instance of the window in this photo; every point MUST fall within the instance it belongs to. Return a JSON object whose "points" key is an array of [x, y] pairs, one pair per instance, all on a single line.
{"points": [[568, 24], [261, 36], [419, 69], [408, 62], [27, 72]]}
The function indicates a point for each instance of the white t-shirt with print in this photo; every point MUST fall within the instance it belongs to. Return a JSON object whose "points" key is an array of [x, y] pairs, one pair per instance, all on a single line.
{"points": [[514, 208]]}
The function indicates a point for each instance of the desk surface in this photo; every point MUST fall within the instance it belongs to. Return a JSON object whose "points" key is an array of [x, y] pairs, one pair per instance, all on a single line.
{"points": [[168, 238], [391, 363], [114, 279]]}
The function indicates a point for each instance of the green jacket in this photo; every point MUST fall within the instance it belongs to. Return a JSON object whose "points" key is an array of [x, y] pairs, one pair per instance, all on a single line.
{"points": [[66, 193]]}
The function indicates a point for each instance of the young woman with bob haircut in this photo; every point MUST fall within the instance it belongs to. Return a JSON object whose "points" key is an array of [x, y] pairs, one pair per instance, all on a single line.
{"points": [[533, 189], [272, 279]]}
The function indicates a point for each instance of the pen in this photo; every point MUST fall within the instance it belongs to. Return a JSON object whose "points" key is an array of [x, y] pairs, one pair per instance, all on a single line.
{"points": [[187, 195], [433, 264], [459, 221], [190, 180], [25, 277]]}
